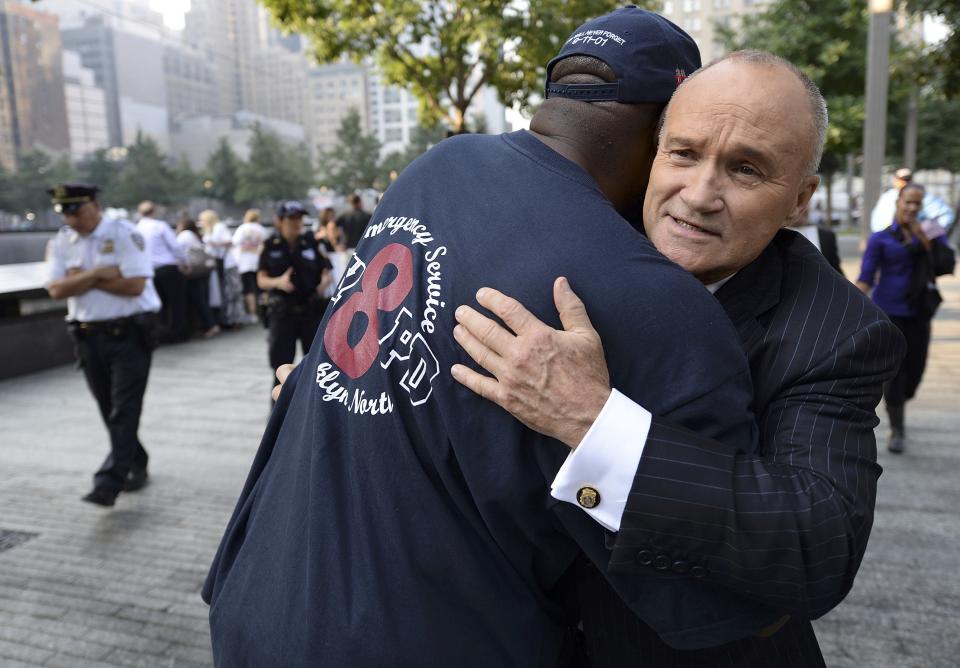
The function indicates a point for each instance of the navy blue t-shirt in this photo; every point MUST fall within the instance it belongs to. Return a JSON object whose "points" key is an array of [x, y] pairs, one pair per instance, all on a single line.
{"points": [[392, 517]]}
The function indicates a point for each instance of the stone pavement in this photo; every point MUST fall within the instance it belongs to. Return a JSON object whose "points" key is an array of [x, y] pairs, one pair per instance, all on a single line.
{"points": [[83, 586]]}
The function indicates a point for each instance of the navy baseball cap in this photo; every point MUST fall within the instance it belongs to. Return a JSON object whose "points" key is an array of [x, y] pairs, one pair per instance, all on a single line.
{"points": [[291, 208], [650, 56]]}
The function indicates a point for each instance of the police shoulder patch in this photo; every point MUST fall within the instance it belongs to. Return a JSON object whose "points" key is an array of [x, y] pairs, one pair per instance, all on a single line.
{"points": [[137, 240]]}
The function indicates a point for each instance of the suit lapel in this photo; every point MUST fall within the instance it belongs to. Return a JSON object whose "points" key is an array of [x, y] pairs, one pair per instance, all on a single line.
{"points": [[753, 291]]}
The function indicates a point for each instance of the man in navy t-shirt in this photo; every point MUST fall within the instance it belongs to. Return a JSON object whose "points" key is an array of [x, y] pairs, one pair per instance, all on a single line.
{"points": [[392, 517]]}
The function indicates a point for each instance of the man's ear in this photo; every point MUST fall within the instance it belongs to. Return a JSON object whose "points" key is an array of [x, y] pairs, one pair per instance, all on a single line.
{"points": [[807, 187]]}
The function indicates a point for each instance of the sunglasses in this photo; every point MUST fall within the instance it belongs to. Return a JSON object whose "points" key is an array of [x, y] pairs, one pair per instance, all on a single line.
{"points": [[68, 209]]}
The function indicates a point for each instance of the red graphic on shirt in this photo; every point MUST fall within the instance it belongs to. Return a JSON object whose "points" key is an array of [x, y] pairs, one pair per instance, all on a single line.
{"points": [[370, 300]]}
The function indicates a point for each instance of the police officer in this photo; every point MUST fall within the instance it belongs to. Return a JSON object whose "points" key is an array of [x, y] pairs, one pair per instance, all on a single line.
{"points": [[103, 269], [294, 272]]}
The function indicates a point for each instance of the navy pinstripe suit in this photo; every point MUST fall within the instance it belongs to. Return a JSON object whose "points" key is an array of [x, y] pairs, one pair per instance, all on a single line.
{"points": [[787, 525]]}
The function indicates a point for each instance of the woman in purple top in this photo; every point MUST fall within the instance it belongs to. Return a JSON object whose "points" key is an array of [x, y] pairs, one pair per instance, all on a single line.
{"points": [[894, 254]]}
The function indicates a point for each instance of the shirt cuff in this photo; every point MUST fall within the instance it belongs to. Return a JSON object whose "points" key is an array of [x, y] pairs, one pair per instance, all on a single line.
{"points": [[598, 475]]}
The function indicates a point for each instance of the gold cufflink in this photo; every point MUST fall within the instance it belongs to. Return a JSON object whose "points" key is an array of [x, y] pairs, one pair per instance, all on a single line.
{"points": [[588, 497]]}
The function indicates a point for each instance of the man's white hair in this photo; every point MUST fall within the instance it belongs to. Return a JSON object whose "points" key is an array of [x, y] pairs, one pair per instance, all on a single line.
{"points": [[818, 106]]}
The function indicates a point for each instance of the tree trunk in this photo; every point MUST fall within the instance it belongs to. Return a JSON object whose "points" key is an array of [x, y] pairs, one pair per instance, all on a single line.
{"points": [[848, 219]]}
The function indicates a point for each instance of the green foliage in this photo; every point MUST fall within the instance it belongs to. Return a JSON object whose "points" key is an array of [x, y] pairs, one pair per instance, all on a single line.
{"points": [[943, 59], [223, 173], [100, 170], [827, 39], [354, 163], [442, 51], [275, 171], [144, 175], [28, 186]]}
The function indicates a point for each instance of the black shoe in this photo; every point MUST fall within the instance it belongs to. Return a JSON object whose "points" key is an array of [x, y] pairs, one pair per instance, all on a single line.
{"points": [[102, 496], [136, 479], [896, 444]]}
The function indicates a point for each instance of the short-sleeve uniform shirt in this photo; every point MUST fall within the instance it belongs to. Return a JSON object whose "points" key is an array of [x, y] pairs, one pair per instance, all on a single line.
{"points": [[112, 242]]}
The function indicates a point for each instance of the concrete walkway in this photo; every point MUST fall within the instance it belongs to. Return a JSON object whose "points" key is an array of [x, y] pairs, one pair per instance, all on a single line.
{"points": [[82, 586]]}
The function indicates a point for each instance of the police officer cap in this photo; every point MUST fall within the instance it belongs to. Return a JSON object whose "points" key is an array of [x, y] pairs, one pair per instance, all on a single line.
{"points": [[649, 55], [73, 193], [291, 208]]}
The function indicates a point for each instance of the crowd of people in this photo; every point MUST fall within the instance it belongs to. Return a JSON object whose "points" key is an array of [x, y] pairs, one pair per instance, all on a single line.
{"points": [[206, 274]]}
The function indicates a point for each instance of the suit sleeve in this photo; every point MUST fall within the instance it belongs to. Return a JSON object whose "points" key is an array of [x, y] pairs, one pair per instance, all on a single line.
{"points": [[788, 524]]}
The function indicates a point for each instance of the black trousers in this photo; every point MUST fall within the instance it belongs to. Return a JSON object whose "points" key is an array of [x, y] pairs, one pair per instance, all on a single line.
{"points": [[616, 638], [171, 285], [116, 369], [286, 331], [198, 298], [904, 385]]}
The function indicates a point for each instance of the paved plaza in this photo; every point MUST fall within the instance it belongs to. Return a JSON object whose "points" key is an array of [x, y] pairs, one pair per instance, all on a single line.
{"points": [[84, 586]]}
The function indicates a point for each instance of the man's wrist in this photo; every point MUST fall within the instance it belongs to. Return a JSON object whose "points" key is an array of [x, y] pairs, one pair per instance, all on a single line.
{"points": [[592, 408]]}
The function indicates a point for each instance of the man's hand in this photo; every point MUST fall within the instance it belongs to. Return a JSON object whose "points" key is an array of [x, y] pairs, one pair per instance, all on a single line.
{"points": [[555, 382], [283, 281], [282, 372]]}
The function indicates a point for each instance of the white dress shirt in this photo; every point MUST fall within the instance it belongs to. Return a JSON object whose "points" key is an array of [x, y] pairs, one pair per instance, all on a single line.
{"points": [[607, 458], [161, 242]]}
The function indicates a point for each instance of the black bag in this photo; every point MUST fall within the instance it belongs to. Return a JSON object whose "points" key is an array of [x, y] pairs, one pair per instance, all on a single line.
{"points": [[923, 296], [944, 259]]}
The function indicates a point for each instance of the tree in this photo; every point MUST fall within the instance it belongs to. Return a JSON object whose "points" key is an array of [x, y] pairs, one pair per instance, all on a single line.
{"points": [[443, 52], [223, 172], [354, 163], [944, 57], [101, 171], [36, 173], [144, 175], [275, 171]]}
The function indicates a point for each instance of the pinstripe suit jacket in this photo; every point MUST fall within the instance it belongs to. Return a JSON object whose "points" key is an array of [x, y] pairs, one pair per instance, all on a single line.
{"points": [[786, 525]]}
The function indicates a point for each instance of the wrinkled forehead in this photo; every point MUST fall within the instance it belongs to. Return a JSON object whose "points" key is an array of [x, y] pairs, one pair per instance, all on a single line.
{"points": [[763, 105]]}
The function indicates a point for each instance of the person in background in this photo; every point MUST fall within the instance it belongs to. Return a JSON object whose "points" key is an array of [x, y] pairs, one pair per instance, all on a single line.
{"points": [[247, 242], [102, 268], [218, 241], [296, 274], [168, 259], [353, 222], [901, 256], [198, 278], [822, 237], [328, 233], [934, 209]]}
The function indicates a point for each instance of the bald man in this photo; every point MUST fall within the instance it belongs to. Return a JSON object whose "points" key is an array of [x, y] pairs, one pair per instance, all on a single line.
{"points": [[785, 524]]}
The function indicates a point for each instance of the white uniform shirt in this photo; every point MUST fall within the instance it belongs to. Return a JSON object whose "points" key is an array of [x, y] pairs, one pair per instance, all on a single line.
{"points": [[112, 243], [247, 241], [161, 242], [217, 243]]}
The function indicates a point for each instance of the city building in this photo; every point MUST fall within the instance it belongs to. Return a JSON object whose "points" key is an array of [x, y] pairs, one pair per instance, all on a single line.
{"points": [[700, 18], [86, 108], [394, 115], [196, 138], [333, 90], [129, 66], [33, 109]]}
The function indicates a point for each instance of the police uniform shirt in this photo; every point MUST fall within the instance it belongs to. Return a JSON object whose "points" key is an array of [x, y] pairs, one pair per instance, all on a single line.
{"points": [[307, 260], [393, 517], [113, 242]]}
